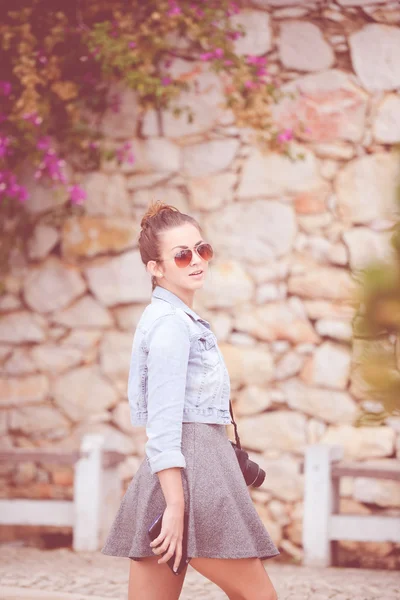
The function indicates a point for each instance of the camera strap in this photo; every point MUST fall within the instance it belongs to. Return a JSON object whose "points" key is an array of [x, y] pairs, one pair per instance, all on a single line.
{"points": [[235, 426]]}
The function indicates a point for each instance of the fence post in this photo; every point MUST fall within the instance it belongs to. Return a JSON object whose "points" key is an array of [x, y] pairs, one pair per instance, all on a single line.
{"points": [[319, 502], [88, 494]]}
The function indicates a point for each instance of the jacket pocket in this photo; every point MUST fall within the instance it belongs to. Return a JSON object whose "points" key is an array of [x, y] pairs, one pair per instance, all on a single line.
{"points": [[208, 350]]}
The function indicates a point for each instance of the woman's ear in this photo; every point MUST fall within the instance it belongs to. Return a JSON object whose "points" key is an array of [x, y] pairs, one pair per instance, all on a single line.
{"points": [[154, 269]]}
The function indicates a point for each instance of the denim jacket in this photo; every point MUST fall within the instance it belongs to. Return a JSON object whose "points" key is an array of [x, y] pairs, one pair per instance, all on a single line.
{"points": [[177, 374]]}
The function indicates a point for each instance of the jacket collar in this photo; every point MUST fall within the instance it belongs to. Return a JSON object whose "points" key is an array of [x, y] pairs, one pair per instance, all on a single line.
{"points": [[164, 294]]}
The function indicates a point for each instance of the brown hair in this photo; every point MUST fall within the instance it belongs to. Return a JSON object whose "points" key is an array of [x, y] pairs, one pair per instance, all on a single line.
{"points": [[159, 217]]}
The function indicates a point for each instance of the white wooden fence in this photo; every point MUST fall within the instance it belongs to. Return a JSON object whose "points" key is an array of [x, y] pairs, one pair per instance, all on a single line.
{"points": [[323, 525], [96, 498]]}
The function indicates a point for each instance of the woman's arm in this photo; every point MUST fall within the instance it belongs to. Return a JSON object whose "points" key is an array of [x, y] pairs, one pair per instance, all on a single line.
{"points": [[168, 346]]}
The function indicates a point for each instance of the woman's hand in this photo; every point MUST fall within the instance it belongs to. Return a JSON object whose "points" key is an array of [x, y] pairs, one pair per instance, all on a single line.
{"points": [[171, 534]]}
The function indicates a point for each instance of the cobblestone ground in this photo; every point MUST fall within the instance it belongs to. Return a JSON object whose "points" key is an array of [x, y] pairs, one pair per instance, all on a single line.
{"points": [[32, 574]]}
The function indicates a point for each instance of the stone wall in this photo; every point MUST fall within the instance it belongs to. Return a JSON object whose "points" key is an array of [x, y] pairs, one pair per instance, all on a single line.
{"points": [[289, 238]]}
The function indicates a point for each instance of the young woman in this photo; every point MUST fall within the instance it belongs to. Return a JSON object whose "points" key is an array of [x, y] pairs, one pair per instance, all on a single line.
{"points": [[179, 389]]}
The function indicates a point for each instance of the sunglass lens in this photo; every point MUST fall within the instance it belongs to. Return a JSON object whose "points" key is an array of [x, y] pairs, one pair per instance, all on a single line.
{"points": [[183, 258], [206, 252]]}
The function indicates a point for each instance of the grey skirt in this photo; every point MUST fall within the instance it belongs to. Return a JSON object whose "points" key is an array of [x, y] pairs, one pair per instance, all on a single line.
{"points": [[223, 522]]}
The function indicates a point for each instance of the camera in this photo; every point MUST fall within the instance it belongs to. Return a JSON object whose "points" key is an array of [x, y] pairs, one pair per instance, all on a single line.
{"points": [[252, 472]]}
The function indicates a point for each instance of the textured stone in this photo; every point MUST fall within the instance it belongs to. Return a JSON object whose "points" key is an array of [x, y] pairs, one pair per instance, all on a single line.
{"points": [[140, 181], [366, 246], [331, 106], [155, 155], [37, 420], [270, 292], [386, 125], [121, 417], [120, 280], [280, 429], [127, 317], [366, 188], [272, 174], [209, 193], [272, 225], [83, 392], [209, 157], [247, 365], [330, 283], [275, 321], [339, 150], [121, 122], [206, 100], [169, 195], [329, 367], [284, 480], [302, 47], [290, 364], [227, 285], [377, 491], [252, 400], [43, 240], [85, 312], [322, 309], [115, 354], [107, 195], [9, 302], [258, 36], [88, 236], [53, 358], [52, 286], [335, 329], [83, 339], [374, 52], [20, 363], [24, 390], [327, 405], [113, 439], [20, 327], [42, 196], [361, 443]]}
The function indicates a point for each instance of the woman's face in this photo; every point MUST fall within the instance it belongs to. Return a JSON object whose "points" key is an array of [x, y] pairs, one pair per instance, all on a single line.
{"points": [[174, 277]]}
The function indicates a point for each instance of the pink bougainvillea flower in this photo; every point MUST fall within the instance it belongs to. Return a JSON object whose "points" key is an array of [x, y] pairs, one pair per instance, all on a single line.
{"points": [[33, 118], [43, 143], [234, 35], [166, 81], [285, 136], [228, 63], [218, 52], [132, 45], [174, 9], [124, 153], [206, 56], [5, 88], [249, 84], [3, 117], [4, 146], [76, 194]]}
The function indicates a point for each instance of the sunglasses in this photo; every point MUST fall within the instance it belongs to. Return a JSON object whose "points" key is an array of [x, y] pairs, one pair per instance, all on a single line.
{"points": [[183, 258]]}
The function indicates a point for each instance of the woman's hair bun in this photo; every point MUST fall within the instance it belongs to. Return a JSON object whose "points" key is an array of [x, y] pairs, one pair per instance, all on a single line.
{"points": [[154, 209]]}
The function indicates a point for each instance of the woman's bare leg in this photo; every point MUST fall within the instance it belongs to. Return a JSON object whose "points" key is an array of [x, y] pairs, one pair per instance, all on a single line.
{"points": [[239, 578], [150, 581]]}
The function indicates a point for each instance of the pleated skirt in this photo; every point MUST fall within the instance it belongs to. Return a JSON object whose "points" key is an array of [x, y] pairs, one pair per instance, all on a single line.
{"points": [[222, 519]]}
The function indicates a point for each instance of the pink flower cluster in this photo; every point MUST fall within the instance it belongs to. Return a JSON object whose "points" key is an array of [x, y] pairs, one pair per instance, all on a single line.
{"points": [[52, 166], [285, 136], [10, 188], [217, 53], [4, 146], [5, 88], [174, 9], [33, 118], [124, 153]]}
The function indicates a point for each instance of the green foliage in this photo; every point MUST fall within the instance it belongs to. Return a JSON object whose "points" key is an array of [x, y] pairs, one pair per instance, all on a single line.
{"points": [[378, 318]]}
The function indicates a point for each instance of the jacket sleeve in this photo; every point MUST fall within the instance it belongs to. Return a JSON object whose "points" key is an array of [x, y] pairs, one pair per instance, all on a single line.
{"points": [[168, 345]]}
